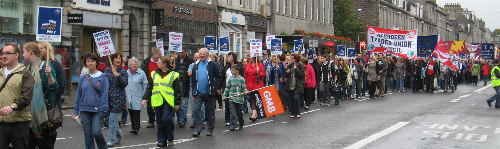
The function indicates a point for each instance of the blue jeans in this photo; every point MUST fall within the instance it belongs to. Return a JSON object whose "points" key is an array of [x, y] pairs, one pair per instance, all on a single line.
{"points": [[193, 117], [92, 126], [209, 102], [496, 96], [165, 121], [400, 85], [236, 114], [124, 116], [182, 112], [295, 104], [115, 133], [389, 83]]}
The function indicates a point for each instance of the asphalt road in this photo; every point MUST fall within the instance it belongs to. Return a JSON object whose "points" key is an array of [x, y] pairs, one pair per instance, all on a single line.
{"points": [[397, 121]]}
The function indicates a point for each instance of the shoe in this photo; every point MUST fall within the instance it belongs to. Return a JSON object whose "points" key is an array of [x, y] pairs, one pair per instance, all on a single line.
{"points": [[489, 103], [161, 144], [220, 107], [253, 119], [196, 134], [327, 104], [182, 126], [170, 143], [292, 116], [133, 132], [241, 127], [232, 129], [209, 134], [298, 116], [306, 107], [227, 124], [151, 125], [109, 144]]}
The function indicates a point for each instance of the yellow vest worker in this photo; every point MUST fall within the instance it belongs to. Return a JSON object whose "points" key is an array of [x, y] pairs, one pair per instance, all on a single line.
{"points": [[162, 89], [494, 80]]}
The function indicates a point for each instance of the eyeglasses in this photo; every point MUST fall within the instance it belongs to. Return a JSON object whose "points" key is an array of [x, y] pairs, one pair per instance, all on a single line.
{"points": [[6, 53]]}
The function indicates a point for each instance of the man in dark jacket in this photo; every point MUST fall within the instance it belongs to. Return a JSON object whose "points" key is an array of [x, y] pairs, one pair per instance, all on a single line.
{"points": [[149, 65], [206, 84], [182, 64]]}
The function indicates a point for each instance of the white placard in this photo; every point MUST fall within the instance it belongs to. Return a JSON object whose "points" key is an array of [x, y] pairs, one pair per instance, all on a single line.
{"points": [[104, 43], [175, 42], [255, 47], [159, 45]]}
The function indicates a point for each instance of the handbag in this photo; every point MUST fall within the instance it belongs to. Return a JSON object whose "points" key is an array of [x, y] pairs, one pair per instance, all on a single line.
{"points": [[55, 117]]}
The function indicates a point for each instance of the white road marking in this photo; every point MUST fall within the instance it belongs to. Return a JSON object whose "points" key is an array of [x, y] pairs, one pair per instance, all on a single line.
{"points": [[376, 136], [465, 96], [482, 88], [154, 143], [64, 138], [68, 115], [284, 122], [255, 124]]}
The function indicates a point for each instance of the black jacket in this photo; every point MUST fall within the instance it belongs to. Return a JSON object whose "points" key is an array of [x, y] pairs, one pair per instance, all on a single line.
{"points": [[181, 68], [214, 78], [176, 85]]}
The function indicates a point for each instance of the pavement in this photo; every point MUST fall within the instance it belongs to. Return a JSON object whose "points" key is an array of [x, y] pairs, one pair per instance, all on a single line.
{"points": [[397, 121]]}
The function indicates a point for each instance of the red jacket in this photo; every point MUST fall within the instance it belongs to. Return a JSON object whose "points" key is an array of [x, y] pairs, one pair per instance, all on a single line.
{"points": [[310, 77], [251, 76], [486, 70]]}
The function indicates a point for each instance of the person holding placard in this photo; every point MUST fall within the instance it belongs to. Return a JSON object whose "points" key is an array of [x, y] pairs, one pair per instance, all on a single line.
{"points": [[254, 78], [118, 80]]}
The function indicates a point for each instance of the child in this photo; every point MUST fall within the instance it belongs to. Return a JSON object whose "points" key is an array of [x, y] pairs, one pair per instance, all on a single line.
{"points": [[235, 88]]}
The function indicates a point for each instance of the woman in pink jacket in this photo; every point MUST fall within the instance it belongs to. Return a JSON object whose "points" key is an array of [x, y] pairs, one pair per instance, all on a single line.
{"points": [[255, 75], [310, 83]]}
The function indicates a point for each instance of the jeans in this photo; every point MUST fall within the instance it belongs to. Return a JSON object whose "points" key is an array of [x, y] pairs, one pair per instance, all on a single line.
{"points": [[135, 119], [295, 103], [209, 102], [15, 134], [124, 116], [495, 97], [115, 133], [182, 112], [324, 92], [429, 80], [92, 126], [165, 121], [236, 114], [227, 111], [193, 117], [400, 85], [390, 83]]}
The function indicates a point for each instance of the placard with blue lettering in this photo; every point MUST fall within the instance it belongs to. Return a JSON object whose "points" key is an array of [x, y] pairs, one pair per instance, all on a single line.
{"points": [[351, 53], [341, 51], [224, 45], [210, 44], [276, 46], [49, 24]]}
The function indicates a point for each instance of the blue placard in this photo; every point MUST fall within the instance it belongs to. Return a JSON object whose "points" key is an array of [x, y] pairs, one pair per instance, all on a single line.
{"points": [[426, 45], [49, 24], [298, 46], [351, 53], [488, 51], [224, 45], [210, 44], [341, 51], [276, 47]]}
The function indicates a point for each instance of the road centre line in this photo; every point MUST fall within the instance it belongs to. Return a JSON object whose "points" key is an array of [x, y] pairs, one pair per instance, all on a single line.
{"points": [[376, 136], [483, 88], [154, 143]]}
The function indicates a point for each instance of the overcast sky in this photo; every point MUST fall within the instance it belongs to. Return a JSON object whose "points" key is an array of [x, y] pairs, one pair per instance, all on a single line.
{"points": [[488, 10]]}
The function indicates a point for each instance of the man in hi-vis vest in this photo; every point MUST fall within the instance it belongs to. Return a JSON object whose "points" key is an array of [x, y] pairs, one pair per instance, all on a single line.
{"points": [[164, 94], [495, 83]]}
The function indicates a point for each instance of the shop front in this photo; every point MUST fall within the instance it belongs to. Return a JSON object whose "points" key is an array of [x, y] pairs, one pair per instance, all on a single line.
{"points": [[194, 20]]}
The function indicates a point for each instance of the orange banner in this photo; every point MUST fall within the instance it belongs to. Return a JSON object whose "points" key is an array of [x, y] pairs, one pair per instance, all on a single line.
{"points": [[271, 101]]}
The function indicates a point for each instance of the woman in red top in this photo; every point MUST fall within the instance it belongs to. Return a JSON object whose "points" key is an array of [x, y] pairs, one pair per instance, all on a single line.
{"points": [[310, 82], [254, 77], [486, 73]]}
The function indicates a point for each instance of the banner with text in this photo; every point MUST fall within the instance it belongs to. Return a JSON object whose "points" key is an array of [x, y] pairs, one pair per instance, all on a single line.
{"points": [[488, 51], [298, 46], [351, 53], [210, 44], [224, 45], [255, 47], [276, 46], [268, 102], [175, 41], [426, 45], [104, 43], [159, 45], [49, 24], [341, 51], [402, 43]]}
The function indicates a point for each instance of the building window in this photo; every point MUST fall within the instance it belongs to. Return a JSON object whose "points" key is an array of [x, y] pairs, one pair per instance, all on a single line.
{"points": [[305, 8], [277, 5]]}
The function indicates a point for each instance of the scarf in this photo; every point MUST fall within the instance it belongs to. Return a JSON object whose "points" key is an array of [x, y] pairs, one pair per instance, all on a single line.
{"points": [[38, 110]]}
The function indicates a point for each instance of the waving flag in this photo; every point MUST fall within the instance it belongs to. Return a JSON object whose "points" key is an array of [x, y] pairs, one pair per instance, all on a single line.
{"points": [[474, 50], [443, 56], [457, 47]]}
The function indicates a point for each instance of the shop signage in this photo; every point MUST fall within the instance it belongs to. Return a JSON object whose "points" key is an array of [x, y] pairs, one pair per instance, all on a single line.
{"points": [[104, 43], [75, 18], [183, 10], [8, 4], [49, 24], [111, 6]]}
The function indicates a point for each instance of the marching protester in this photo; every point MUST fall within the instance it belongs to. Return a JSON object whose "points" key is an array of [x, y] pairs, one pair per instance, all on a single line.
{"points": [[325, 76], [476, 70], [118, 80], [196, 58], [234, 90], [400, 75], [15, 104], [43, 128], [163, 94], [148, 66], [205, 83], [384, 65], [310, 86], [295, 73], [91, 103], [255, 76], [137, 83], [231, 59], [46, 47], [495, 83], [443, 77], [486, 73], [218, 97], [373, 75], [430, 71], [182, 64]]}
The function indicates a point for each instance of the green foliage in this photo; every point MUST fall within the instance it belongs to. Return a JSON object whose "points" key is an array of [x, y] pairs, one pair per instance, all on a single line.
{"points": [[283, 34], [346, 21], [496, 32]]}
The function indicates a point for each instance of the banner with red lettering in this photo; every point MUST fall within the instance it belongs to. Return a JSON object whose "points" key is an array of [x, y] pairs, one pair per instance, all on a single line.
{"points": [[402, 43], [104, 43], [268, 102]]}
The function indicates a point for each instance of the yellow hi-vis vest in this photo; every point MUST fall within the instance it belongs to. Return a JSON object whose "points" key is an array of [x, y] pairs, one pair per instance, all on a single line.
{"points": [[162, 89], [494, 80]]}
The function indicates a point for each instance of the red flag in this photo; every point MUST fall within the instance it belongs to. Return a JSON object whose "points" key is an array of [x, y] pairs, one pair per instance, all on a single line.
{"points": [[443, 56]]}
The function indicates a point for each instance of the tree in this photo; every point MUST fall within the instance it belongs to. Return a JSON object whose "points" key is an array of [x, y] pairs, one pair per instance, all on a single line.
{"points": [[346, 21], [496, 32]]}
